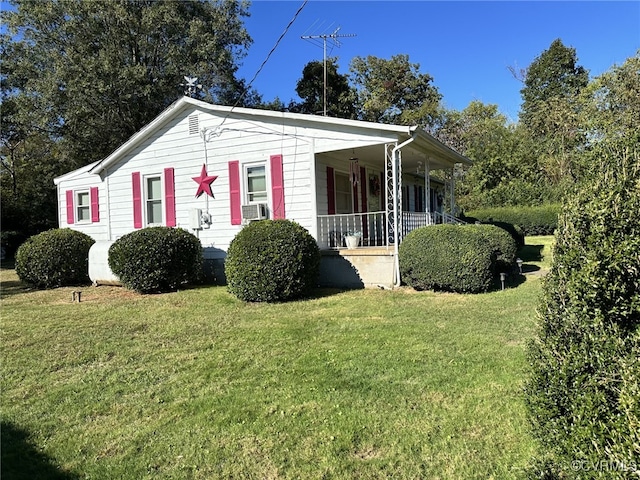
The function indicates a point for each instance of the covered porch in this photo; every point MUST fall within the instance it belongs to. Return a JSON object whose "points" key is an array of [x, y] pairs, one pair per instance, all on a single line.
{"points": [[370, 197]]}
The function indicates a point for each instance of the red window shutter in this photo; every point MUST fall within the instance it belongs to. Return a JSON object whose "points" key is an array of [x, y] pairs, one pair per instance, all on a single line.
{"points": [[137, 200], [234, 192], [69, 194], [363, 184], [95, 207], [277, 187], [331, 192], [169, 197], [355, 198]]}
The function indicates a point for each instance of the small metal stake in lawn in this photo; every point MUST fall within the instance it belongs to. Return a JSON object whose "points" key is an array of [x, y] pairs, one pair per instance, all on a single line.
{"points": [[76, 294], [503, 277]]}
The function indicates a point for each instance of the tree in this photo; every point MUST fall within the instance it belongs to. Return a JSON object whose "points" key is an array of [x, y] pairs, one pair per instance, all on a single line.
{"points": [[501, 171], [79, 78], [611, 108], [102, 70], [584, 383], [394, 91], [550, 109], [311, 90]]}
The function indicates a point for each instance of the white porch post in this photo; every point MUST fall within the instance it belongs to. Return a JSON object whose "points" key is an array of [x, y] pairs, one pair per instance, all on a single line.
{"points": [[427, 190], [452, 196]]}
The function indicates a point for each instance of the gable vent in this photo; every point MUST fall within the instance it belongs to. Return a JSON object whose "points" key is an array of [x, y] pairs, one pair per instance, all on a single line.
{"points": [[193, 124]]}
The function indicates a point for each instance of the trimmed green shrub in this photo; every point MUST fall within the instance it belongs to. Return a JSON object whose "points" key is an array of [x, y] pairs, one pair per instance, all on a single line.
{"points": [[272, 261], [156, 259], [456, 258], [502, 246], [540, 220], [54, 258], [583, 391]]}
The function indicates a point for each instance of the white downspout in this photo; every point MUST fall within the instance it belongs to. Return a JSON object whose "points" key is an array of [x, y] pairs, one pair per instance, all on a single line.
{"points": [[396, 236]]}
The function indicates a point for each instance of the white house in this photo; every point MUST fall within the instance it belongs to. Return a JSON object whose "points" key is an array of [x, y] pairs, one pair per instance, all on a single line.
{"points": [[211, 169]]}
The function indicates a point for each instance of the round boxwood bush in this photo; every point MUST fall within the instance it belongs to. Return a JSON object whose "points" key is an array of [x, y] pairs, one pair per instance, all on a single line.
{"points": [[156, 259], [502, 245], [54, 258], [455, 258], [272, 261]]}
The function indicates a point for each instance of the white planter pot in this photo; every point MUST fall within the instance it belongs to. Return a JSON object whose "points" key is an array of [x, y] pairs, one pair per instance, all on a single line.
{"points": [[352, 241]]}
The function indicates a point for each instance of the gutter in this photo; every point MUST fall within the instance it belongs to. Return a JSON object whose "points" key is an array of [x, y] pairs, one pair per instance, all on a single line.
{"points": [[394, 176]]}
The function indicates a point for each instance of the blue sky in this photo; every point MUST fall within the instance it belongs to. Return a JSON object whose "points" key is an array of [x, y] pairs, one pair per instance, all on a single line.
{"points": [[466, 47]]}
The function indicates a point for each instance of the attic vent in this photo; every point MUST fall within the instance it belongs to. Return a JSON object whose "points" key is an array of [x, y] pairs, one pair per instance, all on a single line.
{"points": [[193, 124]]}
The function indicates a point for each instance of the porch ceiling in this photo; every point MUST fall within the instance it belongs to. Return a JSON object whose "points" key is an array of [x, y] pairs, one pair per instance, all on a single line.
{"points": [[375, 155]]}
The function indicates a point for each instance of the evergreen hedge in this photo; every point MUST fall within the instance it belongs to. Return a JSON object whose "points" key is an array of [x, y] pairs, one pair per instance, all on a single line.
{"points": [[156, 259], [538, 220], [456, 258], [55, 258], [272, 261], [583, 391]]}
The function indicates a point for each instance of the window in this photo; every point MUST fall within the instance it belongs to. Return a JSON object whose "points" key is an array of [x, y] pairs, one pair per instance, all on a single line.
{"points": [[83, 207], [256, 186], [153, 200], [344, 193]]}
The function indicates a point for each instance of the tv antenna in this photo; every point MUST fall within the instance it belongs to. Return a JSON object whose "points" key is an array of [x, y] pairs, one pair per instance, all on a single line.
{"points": [[333, 37]]}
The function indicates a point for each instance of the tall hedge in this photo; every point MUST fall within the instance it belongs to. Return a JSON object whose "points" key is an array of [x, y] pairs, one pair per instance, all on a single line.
{"points": [[538, 220], [272, 261], [54, 258], [457, 258], [583, 392], [156, 259]]}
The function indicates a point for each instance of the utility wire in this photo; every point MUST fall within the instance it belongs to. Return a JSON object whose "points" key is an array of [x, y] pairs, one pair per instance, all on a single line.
{"points": [[264, 62]]}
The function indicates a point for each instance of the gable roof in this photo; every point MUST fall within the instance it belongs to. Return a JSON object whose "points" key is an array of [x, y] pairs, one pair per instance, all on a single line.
{"points": [[402, 132]]}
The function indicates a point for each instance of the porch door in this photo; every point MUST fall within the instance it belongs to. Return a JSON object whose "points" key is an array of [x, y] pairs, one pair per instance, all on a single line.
{"points": [[343, 193]]}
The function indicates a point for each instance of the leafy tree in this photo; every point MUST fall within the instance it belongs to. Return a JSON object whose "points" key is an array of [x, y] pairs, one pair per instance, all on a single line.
{"points": [[502, 171], [394, 91], [311, 90], [554, 74], [611, 108], [583, 387], [550, 109], [102, 70], [79, 78]]}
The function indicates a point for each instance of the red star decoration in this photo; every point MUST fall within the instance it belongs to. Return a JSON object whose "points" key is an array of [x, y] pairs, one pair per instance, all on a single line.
{"points": [[204, 182]]}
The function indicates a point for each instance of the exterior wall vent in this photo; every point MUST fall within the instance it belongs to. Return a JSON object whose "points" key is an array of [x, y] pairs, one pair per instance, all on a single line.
{"points": [[193, 124]]}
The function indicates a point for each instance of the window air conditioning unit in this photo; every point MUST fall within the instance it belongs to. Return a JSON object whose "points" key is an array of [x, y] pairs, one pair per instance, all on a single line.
{"points": [[255, 211]]}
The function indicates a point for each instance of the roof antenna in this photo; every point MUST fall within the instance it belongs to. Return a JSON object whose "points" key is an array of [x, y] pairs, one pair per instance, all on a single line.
{"points": [[191, 87], [333, 37]]}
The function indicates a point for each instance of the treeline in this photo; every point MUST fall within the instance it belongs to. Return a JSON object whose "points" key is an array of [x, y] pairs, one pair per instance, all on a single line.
{"points": [[76, 82]]}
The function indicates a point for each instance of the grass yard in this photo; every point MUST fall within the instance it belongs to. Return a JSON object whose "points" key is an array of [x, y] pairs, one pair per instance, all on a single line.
{"points": [[195, 384]]}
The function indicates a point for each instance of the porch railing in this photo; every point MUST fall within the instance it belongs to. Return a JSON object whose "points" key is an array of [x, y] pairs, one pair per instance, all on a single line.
{"points": [[372, 227]]}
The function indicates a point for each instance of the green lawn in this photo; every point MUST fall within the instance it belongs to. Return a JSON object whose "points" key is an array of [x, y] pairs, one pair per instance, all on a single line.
{"points": [[195, 384]]}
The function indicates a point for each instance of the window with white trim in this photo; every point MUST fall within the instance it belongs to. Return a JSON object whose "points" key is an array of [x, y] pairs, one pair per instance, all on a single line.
{"points": [[153, 200], [255, 183], [83, 206], [343, 193]]}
